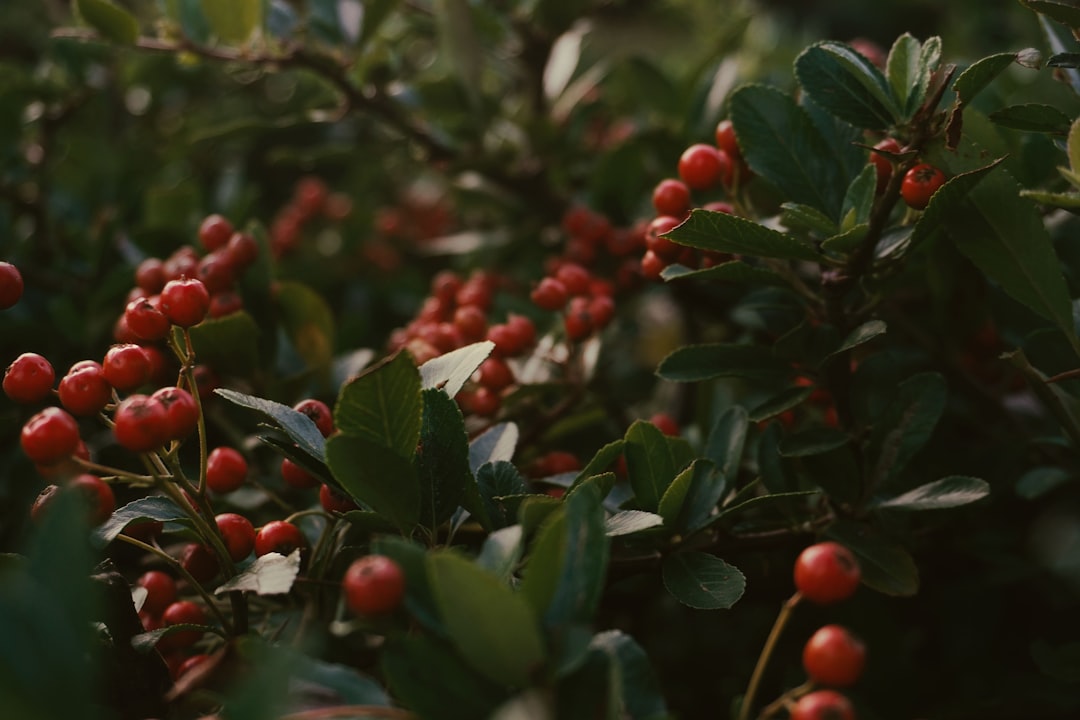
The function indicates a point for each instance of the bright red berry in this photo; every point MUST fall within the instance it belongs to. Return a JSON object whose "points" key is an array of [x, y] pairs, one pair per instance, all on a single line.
{"points": [[833, 656], [29, 378], [140, 423], [333, 501], [523, 328], [919, 184], [49, 436], [702, 166], [827, 573], [652, 265], [296, 476], [160, 591], [146, 320], [665, 424], [671, 197], [11, 285], [200, 562], [883, 164], [374, 585], [823, 705], [126, 367], [280, 537], [226, 470], [574, 278], [549, 294], [183, 612], [655, 240], [181, 413], [99, 497], [185, 301], [506, 340], [471, 323], [238, 534], [84, 389], [320, 414], [214, 232]]}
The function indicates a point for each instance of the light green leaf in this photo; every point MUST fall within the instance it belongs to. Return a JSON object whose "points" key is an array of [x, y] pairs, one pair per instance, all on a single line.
{"points": [[799, 216], [110, 20], [308, 321], [501, 552], [234, 22]]}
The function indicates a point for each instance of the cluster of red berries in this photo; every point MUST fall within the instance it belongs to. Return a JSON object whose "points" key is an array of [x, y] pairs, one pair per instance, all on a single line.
{"points": [[586, 302], [311, 199], [920, 182], [833, 657], [594, 242]]}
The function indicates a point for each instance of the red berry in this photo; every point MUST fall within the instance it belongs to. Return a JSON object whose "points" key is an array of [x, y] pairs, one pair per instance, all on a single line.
{"points": [[482, 402], [29, 378], [702, 166], [476, 293], [373, 585], [183, 612], [242, 250], [189, 664], [549, 294], [666, 424], [126, 367], [310, 195], [11, 285], [471, 323], [141, 423], [181, 413], [225, 303], [160, 364], [505, 339], [226, 470], [42, 502], [333, 501], [556, 462], [919, 184], [883, 165], [655, 241], [827, 573], [200, 562], [601, 310], [574, 278], [833, 656], [726, 140], [84, 389], [320, 414], [652, 265], [150, 276], [214, 232], [216, 273], [49, 436], [445, 285], [99, 497], [823, 705], [578, 322], [146, 320], [185, 301], [238, 534], [160, 591], [182, 263], [280, 537], [671, 197], [495, 374], [296, 476]]}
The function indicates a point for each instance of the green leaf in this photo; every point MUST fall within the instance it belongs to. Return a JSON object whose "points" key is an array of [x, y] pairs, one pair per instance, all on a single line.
{"points": [[781, 144], [783, 401], [451, 370], [603, 459], [702, 581], [442, 464], [566, 570], [690, 500], [1038, 481], [298, 426], [980, 74], [815, 441], [772, 498], [847, 241], [491, 626], [949, 196], [496, 481], [455, 692], [1033, 117], [111, 21], [952, 491], [419, 595], [345, 683], [460, 45], [1073, 146], [270, 574], [859, 199], [628, 522], [799, 216], [732, 271], [634, 689], [1070, 201], [886, 566], [862, 334], [230, 344], [501, 552], [1062, 12], [383, 405], [496, 444], [1064, 60], [234, 22], [652, 462], [724, 445], [692, 363], [377, 477], [909, 69], [375, 13], [305, 315], [722, 232], [848, 85], [154, 507], [905, 427]]}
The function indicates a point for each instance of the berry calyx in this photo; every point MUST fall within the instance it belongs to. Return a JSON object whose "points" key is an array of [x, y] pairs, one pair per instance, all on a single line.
{"points": [[823, 705], [140, 423], [280, 537], [826, 573], [373, 585], [226, 470], [185, 301], [833, 656], [29, 379], [11, 285], [919, 184], [49, 436]]}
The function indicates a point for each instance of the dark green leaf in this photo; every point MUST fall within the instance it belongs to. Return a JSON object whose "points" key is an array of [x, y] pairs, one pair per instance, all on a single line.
{"points": [[722, 232], [145, 642], [442, 464], [155, 507], [724, 446], [298, 426], [628, 522], [230, 344], [776, 472], [690, 500], [383, 405], [501, 552], [652, 463], [376, 477], [1062, 12], [782, 498], [419, 595], [886, 566], [604, 458], [859, 198], [1033, 117], [862, 334], [111, 21], [847, 241], [234, 22], [692, 363], [815, 441], [343, 682], [848, 85], [980, 74], [459, 44], [798, 216], [450, 371], [270, 574], [781, 144], [635, 691], [949, 196], [375, 12], [307, 319], [1038, 481], [492, 627], [455, 692], [781, 402], [496, 444], [948, 492], [905, 427], [732, 271], [702, 581], [496, 481], [1064, 60]]}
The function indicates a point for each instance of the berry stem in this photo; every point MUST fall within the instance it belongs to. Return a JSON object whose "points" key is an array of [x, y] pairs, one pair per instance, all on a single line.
{"points": [[786, 700], [766, 653]]}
